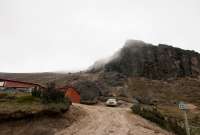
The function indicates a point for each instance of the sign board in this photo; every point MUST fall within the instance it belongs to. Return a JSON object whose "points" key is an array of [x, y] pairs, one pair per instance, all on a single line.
{"points": [[182, 106]]}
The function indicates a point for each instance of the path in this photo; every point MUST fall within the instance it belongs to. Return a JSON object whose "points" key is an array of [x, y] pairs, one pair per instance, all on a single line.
{"points": [[101, 120]]}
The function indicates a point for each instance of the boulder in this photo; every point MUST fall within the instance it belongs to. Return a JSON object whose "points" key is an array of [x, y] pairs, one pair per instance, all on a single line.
{"points": [[89, 91]]}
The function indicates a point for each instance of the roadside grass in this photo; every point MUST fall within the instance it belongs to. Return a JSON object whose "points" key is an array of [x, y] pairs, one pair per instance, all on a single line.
{"points": [[169, 117]]}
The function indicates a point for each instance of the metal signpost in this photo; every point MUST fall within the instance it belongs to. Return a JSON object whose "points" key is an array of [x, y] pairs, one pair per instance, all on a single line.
{"points": [[183, 107]]}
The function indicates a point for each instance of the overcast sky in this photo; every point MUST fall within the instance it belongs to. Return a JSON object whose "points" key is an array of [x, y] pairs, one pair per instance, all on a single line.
{"points": [[68, 35]]}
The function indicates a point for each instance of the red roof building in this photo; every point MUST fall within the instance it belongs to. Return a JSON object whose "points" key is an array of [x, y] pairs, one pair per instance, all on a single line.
{"points": [[17, 84]]}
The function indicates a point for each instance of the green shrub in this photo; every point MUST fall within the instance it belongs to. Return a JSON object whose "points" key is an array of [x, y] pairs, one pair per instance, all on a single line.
{"points": [[53, 95], [36, 92], [195, 130]]}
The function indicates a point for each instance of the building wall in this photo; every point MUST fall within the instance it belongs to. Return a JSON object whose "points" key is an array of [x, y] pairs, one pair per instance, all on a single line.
{"points": [[73, 95], [1, 83]]}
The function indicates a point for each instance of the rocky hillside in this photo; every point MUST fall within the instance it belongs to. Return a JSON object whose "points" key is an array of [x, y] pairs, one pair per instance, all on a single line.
{"points": [[138, 58], [152, 75]]}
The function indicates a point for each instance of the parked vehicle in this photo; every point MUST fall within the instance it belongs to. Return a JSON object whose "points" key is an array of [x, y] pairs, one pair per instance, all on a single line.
{"points": [[111, 102]]}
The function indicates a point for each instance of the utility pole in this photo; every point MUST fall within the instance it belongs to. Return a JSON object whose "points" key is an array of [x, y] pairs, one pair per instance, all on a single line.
{"points": [[183, 107]]}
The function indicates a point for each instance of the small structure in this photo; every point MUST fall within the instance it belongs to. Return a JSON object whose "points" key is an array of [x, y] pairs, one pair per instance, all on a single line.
{"points": [[72, 94], [13, 85]]}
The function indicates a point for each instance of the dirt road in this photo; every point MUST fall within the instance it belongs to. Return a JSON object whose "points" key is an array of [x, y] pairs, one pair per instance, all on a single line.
{"points": [[101, 120]]}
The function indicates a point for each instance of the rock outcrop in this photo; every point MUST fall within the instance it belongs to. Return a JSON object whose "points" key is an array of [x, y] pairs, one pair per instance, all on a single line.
{"points": [[138, 58], [89, 91]]}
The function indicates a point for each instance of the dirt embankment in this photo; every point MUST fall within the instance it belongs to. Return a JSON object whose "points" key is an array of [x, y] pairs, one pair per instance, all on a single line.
{"points": [[42, 125], [102, 120]]}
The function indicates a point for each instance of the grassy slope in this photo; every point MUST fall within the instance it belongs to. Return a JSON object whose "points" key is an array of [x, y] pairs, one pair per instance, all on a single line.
{"points": [[23, 105], [41, 78], [61, 79], [168, 94]]}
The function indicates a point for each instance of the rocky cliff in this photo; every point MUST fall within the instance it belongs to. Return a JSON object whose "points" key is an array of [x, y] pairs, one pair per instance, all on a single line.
{"points": [[138, 58]]}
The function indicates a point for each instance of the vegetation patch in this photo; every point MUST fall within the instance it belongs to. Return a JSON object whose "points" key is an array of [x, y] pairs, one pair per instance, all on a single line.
{"points": [[169, 121], [26, 105], [27, 99]]}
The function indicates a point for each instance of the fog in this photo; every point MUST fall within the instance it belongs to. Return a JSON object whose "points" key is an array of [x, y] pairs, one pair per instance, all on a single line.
{"points": [[131, 45], [70, 35]]}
